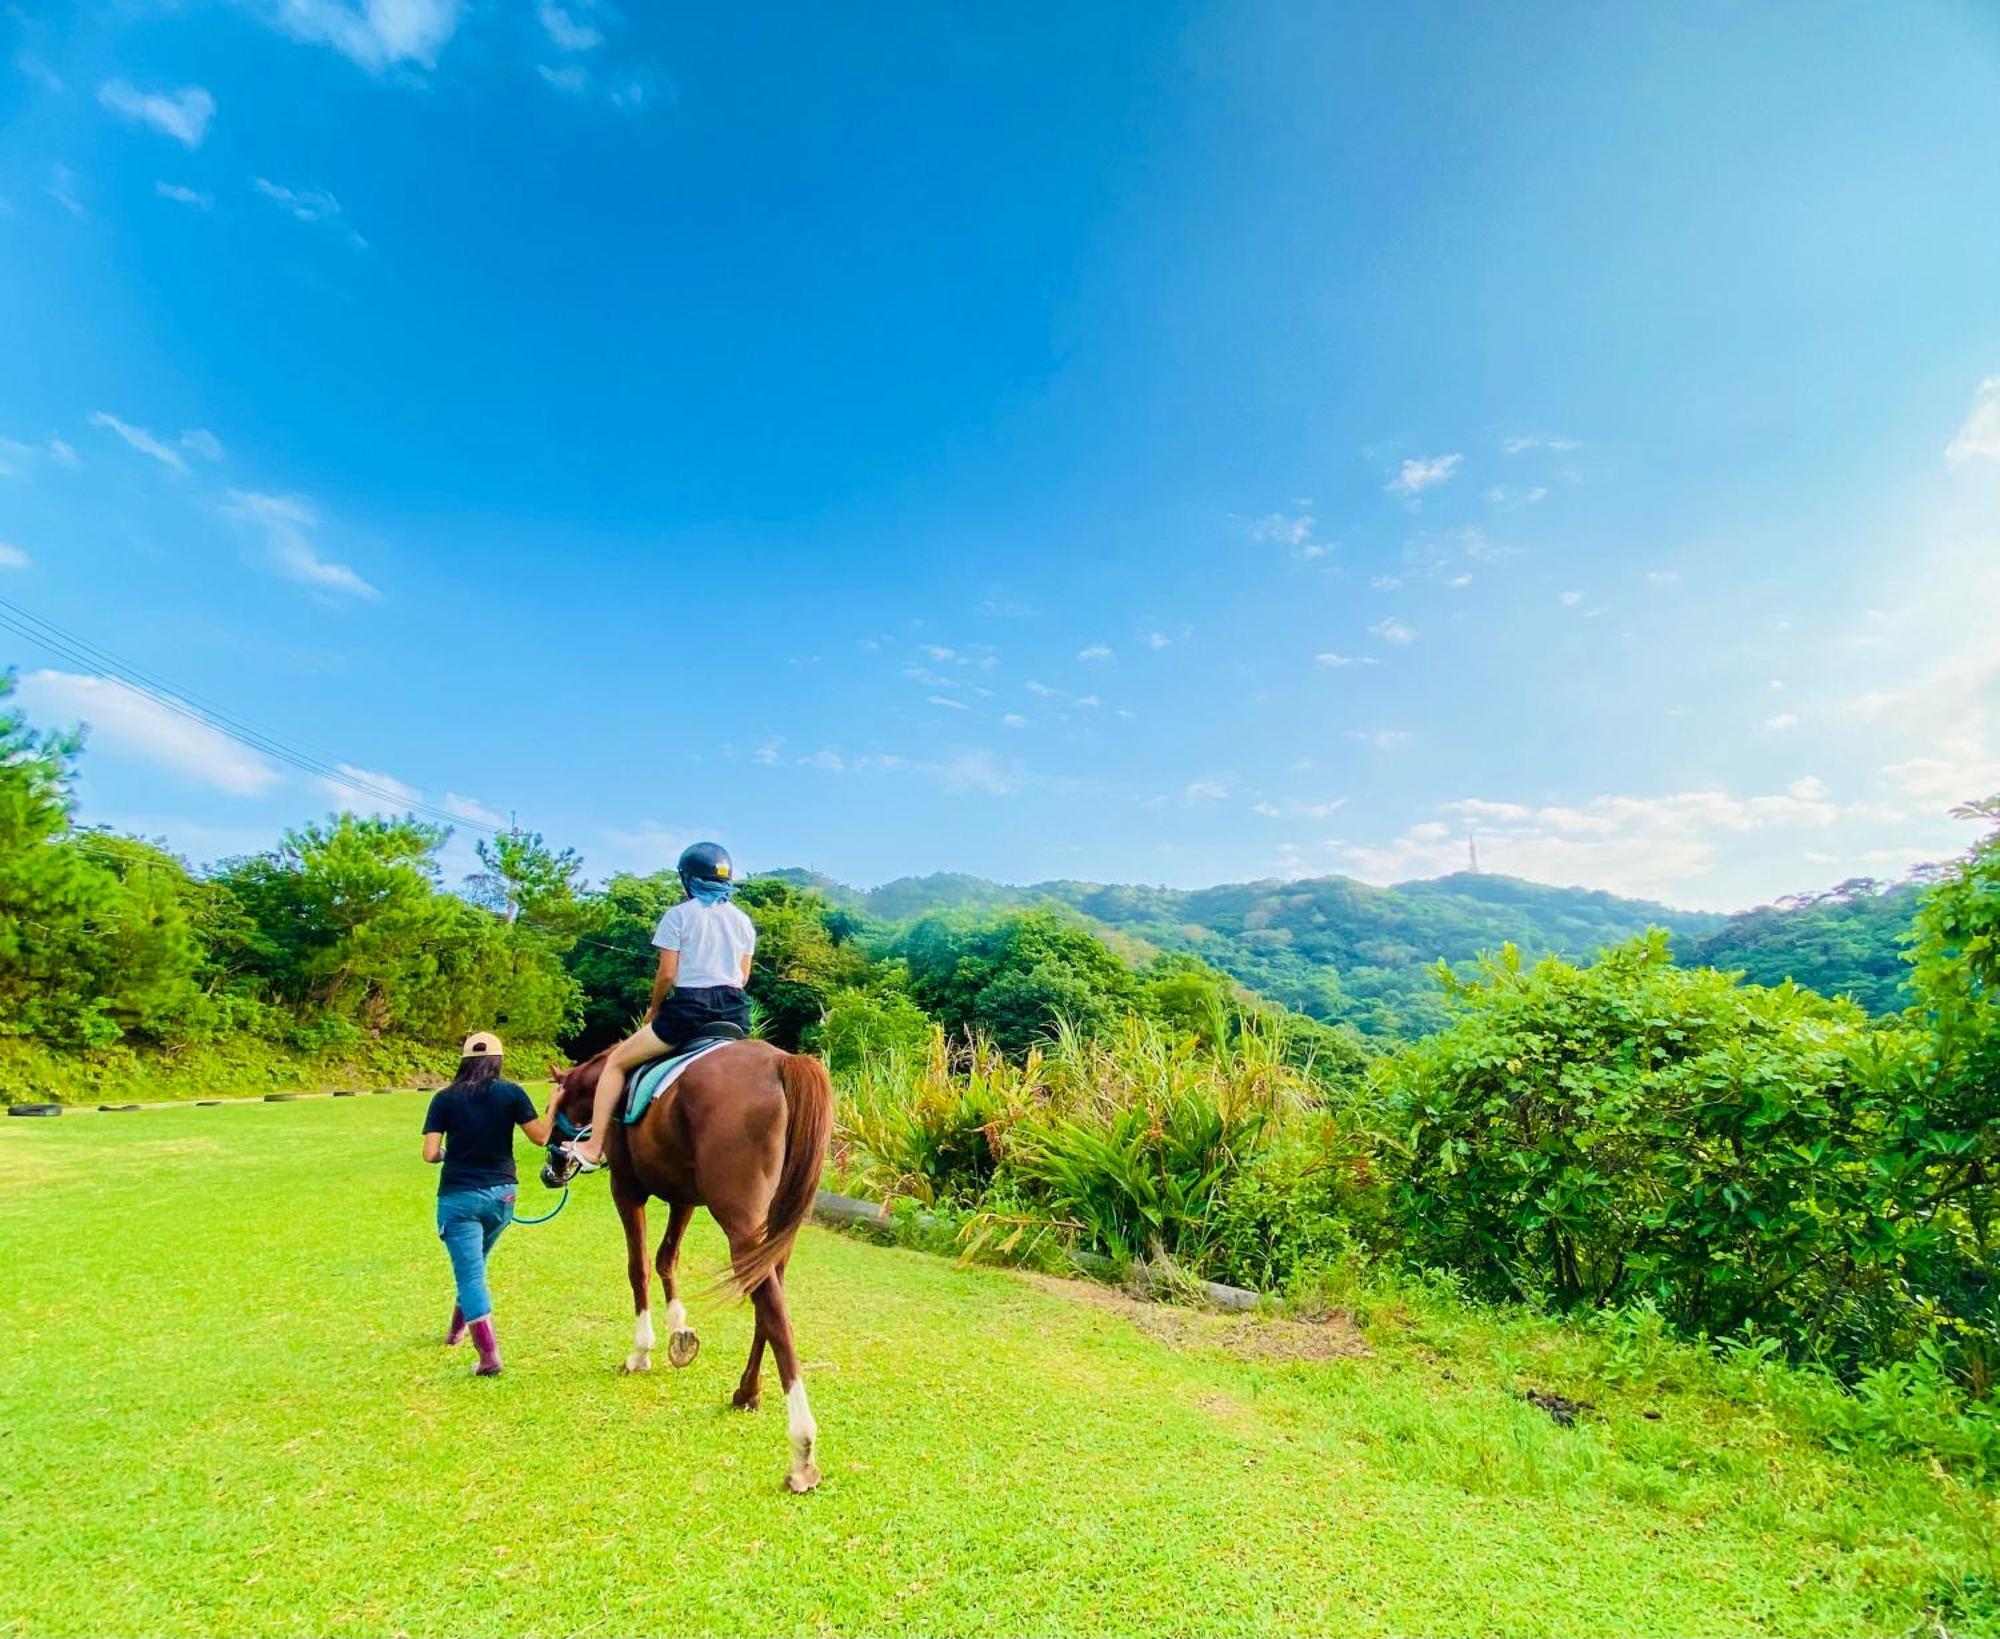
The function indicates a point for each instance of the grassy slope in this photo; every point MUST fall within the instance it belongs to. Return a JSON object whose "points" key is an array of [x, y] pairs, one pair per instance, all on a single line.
{"points": [[223, 1409]]}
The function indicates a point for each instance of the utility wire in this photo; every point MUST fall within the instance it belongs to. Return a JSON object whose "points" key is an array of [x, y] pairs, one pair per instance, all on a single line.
{"points": [[66, 645]]}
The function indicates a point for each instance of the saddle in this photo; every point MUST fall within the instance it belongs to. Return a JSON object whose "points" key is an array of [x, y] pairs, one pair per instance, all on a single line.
{"points": [[654, 1077]]}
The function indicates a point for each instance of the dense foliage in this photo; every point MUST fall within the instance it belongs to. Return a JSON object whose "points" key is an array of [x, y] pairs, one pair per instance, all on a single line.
{"points": [[1847, 941], [1336, 949]]}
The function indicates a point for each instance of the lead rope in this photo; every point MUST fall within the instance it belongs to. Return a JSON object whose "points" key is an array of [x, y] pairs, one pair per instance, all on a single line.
{"points": [[546, 1216]]}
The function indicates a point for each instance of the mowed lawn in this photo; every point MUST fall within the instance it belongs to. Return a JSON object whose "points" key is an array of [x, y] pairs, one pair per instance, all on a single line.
{"points": [[223, 1409]]}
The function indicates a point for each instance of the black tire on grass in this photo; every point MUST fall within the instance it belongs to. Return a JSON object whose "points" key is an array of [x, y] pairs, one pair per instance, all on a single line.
{"points": [[347, 1092], [118, 1106], [34, 1109], [282, 1098], [206, 1103]]}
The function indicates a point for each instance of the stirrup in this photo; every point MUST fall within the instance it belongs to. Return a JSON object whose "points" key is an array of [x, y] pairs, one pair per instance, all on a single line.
{"points": [[584, 1168]]}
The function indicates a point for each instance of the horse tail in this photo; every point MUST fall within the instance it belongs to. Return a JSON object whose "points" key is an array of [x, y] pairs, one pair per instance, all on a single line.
{"points": [[809, 1125]]}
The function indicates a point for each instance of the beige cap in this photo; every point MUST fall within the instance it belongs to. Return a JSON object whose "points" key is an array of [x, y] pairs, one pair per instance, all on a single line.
{"points": [[481, 1044]]}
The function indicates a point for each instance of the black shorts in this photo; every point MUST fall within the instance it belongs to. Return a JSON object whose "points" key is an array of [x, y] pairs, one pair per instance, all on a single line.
{"points": [[683, 1014]]}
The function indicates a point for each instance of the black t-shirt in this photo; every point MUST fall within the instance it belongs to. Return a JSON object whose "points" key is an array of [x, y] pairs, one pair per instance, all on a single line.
{"points": [[478, 1125]]}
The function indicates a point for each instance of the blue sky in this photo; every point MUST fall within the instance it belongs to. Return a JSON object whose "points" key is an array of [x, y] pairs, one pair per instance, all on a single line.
{"points": [[1142, 442]]}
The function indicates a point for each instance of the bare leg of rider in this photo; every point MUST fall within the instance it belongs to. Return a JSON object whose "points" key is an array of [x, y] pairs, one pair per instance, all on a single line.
{"points": [[626, 1057]]}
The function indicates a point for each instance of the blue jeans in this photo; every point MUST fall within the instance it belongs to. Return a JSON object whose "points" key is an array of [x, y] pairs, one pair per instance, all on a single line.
{"points": [[469, 1222]]}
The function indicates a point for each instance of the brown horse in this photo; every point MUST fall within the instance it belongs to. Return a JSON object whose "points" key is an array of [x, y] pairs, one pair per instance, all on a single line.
{"points": [[743, 1132]]}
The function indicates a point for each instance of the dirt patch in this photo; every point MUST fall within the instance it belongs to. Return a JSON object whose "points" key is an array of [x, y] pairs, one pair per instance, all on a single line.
{"points": [[1248, 1337]]}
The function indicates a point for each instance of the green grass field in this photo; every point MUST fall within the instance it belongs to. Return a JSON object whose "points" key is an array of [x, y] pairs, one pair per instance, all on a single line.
{"points": [[223, 1409]]}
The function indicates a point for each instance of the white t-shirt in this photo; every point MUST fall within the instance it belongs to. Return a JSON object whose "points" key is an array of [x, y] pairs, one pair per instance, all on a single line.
{"points": [[712, 939]]}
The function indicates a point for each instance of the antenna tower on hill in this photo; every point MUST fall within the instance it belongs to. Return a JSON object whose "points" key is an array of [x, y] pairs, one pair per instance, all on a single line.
{"points": [[1472, 852]]}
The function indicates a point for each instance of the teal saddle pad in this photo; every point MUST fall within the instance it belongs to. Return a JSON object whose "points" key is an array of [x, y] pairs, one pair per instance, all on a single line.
{"points": [[651, 1080]]}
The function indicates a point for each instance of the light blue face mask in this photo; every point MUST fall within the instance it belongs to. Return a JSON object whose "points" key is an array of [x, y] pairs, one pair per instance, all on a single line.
{"points": [[709, 893]]}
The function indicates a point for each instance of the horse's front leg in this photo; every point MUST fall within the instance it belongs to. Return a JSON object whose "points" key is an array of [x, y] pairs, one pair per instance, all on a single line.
{"points": [[632, 1214], [682, 1343]]}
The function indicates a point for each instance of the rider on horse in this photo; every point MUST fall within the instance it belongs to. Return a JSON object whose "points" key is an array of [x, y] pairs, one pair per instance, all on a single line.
{"points": [[705, 945]]}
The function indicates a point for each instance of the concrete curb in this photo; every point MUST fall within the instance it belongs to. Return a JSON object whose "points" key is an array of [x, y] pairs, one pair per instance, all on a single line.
{"points": [[851, 1212]]}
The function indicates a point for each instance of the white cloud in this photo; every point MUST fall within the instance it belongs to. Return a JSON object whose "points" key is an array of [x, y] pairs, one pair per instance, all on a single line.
{"points": [[185, 196], [141, 440], [1393, 631], [125, 722], [287, 522], [1044, 690], [1286, 530], [1209, 788], [1663, 577], [375, 34], [1979, 438], [182, 115], [313, 205], [1382, 739], [1458, 583], [202, 442], [974, 771], [1386, 583], [1094, 654], [1014, 719], [1330, 658], [1569, 600], [1783, 721], [831, 761], [1158, 640], [12, 557], [1515, 446], [471, 808], [37, 70], [565, 32], [571, 77], [938, 652], [365, 791], [945, 700], [767, 753], [61, 187], [1660, 847], [16, 456], [1419, 473]]}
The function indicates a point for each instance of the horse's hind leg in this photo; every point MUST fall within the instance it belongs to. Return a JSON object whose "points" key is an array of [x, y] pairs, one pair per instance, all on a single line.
{"points": [[682, 1343], [748, 1394], [632, 1214], [774, 1325]]}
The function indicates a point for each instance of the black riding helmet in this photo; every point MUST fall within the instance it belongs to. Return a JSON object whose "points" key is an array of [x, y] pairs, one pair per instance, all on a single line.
{"points": [[705, 862]]}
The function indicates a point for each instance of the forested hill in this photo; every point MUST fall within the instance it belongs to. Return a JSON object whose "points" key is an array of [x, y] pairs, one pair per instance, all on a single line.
{"points": [[1844, 942], [1330, 946]]}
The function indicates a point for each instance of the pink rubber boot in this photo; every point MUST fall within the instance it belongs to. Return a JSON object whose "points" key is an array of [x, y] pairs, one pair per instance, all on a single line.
{"points": [[456, 1334], [488, 1346]]}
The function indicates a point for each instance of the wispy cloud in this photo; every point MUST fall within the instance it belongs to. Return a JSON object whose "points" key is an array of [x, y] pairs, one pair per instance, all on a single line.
{"points": [[946, 700], [1782, 721], [1330, 657], [1382, 739], [1014, 719], [830, 761], [185, 196], [1663, 578], [1393, 631], [1158, 640], [767, 753], [1519, 446], [1293, 530], [286, 523], [375, 34], [367, 792], [565, 31], [12, 557], [141, 440], [471, 808], [61, 187], [17, 459], [1209, 788], [37, 70], [127, 723], [182, 115], [311, 205], [1094, 654], [1570, 599], [1422, 472], [200, 441], [1979, 438]]}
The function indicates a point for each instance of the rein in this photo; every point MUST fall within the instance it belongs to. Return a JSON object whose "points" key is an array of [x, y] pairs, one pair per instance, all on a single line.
{"points": [[562, 1131]]}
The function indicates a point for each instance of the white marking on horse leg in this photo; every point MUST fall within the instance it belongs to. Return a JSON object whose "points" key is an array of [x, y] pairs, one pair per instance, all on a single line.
{"points": [[799, 1421], [641, 1357], [677, 1316]]}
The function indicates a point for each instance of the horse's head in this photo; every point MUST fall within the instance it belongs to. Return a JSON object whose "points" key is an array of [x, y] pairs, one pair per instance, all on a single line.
{"points": [[558, 1168]]}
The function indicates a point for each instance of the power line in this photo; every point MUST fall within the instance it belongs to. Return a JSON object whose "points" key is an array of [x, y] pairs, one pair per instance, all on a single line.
{"points": [[66, 645]]}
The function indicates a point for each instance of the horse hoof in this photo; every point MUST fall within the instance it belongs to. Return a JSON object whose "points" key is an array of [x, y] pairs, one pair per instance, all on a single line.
{"points": [[801, 1480], [637, 1363], [745, 1402], [682, 1347]]}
